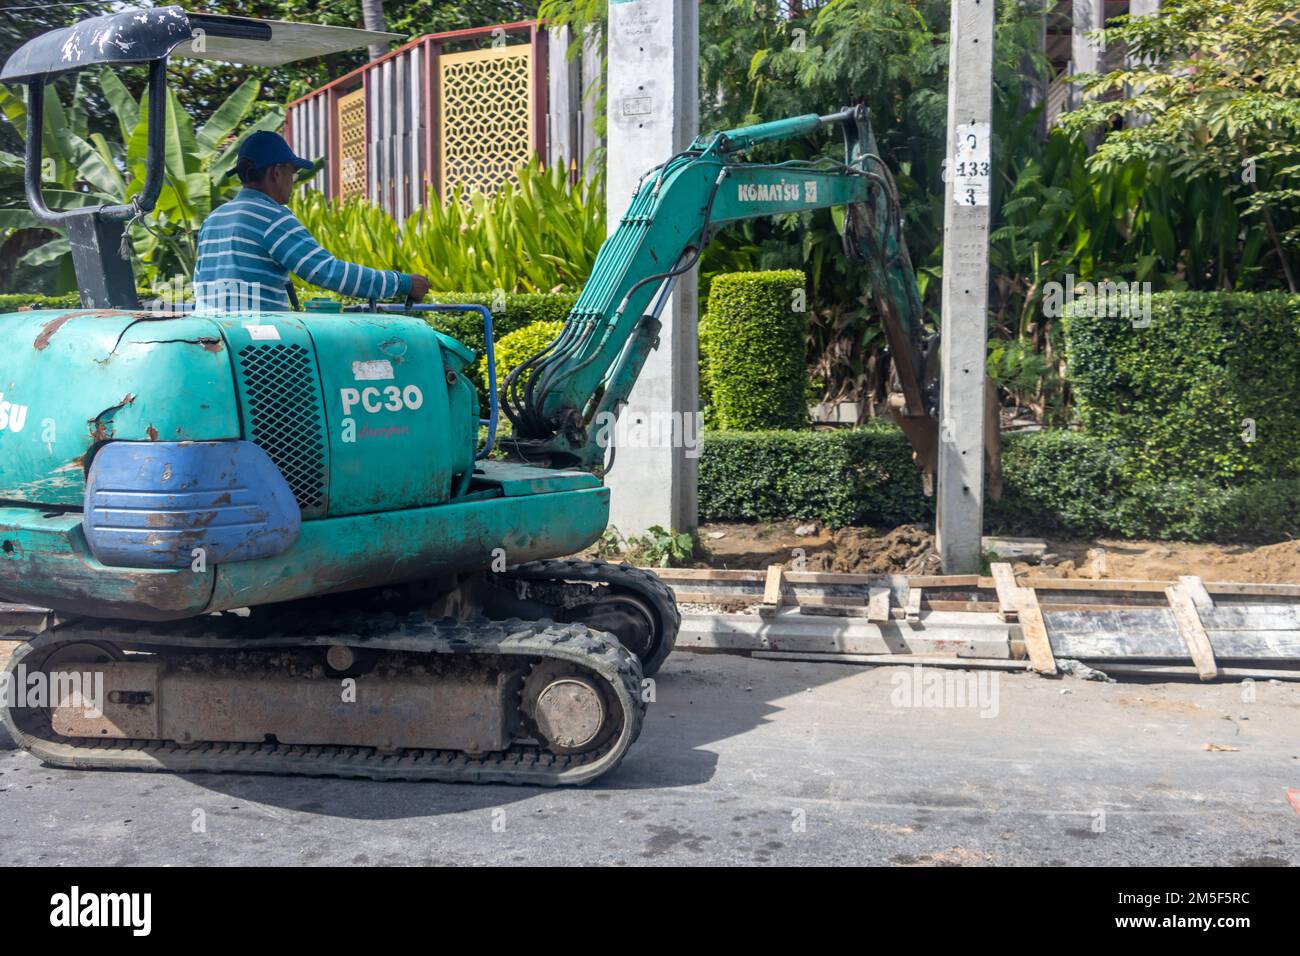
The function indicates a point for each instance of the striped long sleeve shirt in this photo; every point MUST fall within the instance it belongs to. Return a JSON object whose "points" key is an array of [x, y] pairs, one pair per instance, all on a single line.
{"points": [[248, 248]]}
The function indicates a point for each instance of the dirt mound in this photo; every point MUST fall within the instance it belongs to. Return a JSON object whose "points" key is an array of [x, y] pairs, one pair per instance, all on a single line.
{"points": [[907, 549], [1166, 560]]}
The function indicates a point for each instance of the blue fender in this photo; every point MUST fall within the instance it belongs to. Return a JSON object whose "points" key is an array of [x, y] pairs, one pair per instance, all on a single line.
{"points": [[168, 504]]}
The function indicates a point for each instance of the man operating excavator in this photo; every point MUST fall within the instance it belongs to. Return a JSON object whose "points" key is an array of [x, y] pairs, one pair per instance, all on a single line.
{"points": [[249, 246]]}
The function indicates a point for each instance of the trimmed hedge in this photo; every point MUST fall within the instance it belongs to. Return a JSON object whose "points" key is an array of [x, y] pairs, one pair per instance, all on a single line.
{"points": [[841, 477], [520, 310], [1054, 482], [1057, 482], [752, 341], [12, 302], [1178, 394], [1078, 484]]}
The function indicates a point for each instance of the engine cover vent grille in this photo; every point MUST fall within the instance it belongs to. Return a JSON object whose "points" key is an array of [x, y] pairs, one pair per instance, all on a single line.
{"points": [[285, 415]]}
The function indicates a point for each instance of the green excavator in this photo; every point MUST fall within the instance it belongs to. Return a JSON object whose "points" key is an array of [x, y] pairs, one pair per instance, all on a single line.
{"points": [[247, 541]]}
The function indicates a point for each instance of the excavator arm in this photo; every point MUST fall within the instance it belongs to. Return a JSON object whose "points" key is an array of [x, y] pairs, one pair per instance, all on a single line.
{"points": [[587, 373]]}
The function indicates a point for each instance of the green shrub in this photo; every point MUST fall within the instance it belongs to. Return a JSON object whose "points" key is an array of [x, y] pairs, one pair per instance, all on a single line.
{"points": [[513, 348], [1072, 483], [840, 477], [753, 343], [520, 311], [656, 548], [1056, 482], [1179, 395], [1268, 511]]}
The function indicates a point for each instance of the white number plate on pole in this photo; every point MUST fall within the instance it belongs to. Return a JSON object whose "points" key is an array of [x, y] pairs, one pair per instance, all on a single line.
{"points": [[970, 185]]}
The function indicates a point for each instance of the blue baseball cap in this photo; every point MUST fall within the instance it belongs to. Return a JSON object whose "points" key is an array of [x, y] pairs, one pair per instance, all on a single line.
{"points": [[265, 148]]}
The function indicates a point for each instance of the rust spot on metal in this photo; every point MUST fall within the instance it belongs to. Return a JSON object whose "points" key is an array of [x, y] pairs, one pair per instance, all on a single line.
{"points": [[152, 433], [135, 313], [102, 430], [395, 349], [212, 345], [48, 330]]}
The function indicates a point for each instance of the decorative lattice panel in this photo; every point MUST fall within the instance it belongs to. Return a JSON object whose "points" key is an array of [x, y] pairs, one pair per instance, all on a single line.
{"points": [[486, 117], [352, 143]]}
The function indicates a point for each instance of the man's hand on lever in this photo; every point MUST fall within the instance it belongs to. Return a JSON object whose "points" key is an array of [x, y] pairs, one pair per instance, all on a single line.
{"points": [[419, 287]]}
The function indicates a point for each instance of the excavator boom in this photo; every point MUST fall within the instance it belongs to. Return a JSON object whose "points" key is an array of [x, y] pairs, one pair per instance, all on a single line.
{"points": [[589, 370]]}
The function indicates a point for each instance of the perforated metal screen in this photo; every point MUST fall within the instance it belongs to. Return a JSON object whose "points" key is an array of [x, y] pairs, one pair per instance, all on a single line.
{"points": [[280, 385]]}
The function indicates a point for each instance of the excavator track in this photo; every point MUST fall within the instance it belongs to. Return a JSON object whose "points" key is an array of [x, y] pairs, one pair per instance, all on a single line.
{"points": [[624, 578], [580, 656]]}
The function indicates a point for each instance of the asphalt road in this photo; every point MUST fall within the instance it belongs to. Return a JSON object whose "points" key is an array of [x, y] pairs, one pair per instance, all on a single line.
{"points": [[753, 762]]}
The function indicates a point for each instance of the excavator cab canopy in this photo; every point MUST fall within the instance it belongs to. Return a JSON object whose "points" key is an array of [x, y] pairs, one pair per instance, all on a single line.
{"points": [[142, 36], [133, 37]]}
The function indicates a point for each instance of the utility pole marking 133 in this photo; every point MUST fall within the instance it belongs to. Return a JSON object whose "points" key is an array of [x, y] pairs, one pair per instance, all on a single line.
{"points": [[971, 165]]}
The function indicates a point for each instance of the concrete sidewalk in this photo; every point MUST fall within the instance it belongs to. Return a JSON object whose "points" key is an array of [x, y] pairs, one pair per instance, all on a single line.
{"points": [[750, 762]]}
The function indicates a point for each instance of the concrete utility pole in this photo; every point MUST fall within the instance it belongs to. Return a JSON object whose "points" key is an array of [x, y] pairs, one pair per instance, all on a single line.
{"points": [[653, 85], [960, 486]]}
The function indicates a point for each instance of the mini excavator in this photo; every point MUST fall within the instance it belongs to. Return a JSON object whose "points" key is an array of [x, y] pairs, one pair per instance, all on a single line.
{"points": [[276, 542]]}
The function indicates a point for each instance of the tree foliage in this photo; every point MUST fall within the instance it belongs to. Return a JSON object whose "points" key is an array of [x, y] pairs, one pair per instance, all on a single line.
{"points": [[540, 233], [1216, 86]]}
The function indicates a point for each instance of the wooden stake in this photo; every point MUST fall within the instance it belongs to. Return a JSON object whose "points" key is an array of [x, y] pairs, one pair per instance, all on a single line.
{"points": [[772, 587]]}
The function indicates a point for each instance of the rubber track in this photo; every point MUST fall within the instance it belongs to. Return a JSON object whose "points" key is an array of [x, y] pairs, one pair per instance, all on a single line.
{"points": [[524, 764], [639, 581]]}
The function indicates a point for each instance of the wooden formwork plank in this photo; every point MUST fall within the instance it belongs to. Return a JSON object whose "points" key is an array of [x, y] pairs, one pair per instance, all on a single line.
{"points": [[1004, 579], [1034, 631], [839, 577], [1192, 631], [1124, 585], [1090, 584], [1254, 590], [705, 574]]}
